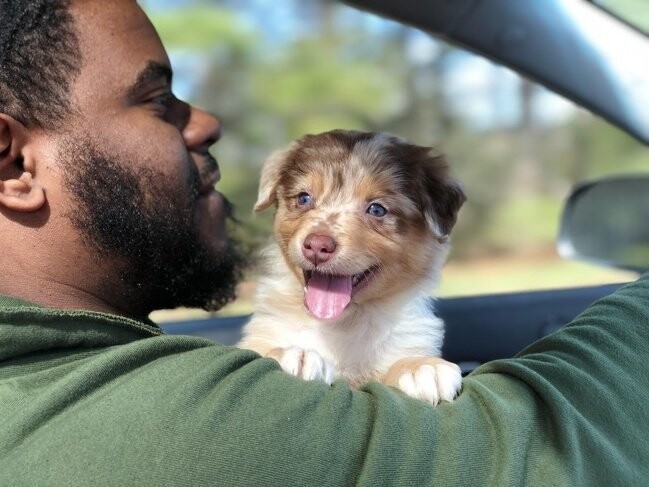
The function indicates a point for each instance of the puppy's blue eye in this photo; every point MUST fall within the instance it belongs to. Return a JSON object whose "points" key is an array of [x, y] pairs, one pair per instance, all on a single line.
{"points": [[303, 199], [376, 210]]}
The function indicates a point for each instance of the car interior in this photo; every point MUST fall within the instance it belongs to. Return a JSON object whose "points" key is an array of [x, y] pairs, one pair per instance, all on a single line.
{"points": [[551, 43]]}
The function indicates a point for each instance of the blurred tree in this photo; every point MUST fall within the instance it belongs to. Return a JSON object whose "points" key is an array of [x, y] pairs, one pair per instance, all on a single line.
{"points": [[633, 11], [274, 71]]}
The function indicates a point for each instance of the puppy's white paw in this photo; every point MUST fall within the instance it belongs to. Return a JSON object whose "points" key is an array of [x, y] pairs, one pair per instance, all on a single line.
{"points": [[306, 364], [428, 378]]}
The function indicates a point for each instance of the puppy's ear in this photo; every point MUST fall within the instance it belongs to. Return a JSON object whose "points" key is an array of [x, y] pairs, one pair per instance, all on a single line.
{"points": [[445, 196], [269, 180]]}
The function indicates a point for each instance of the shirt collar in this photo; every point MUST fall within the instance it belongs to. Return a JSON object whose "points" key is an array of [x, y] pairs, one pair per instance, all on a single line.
{"points": [[11, 302], [27, 328]]}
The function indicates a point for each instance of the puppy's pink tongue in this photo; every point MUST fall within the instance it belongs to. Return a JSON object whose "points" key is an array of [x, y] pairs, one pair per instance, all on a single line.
{"points": [[327, 296]]}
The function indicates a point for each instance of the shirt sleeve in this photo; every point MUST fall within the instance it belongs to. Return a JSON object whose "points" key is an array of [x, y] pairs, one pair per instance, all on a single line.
{"points": [[167, 410], [568, 410]]}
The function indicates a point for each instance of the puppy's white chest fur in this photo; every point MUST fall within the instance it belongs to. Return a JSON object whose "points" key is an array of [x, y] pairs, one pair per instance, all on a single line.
{"points": [[361, 345]]}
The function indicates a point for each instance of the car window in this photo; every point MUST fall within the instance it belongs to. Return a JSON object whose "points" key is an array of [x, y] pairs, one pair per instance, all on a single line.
{"points": [[273, 72]]}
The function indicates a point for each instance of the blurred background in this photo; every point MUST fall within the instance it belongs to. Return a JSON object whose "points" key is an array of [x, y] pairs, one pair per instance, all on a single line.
{"points": [[273, 71]]}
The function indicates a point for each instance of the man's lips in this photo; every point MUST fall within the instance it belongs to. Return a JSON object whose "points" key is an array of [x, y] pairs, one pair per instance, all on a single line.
{"points": [[220, 202], [207, 187], [209, 175]]}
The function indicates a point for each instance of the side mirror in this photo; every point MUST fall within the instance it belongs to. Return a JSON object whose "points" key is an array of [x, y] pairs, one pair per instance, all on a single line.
{"points": [[607, 222]]}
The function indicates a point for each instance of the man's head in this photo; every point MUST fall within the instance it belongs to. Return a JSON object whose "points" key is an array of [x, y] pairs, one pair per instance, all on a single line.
{"points": [[102, 168], [39, 58]]}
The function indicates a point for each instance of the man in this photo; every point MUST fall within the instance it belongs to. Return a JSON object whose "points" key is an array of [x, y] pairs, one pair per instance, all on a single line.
{"points": [[107, 212], [113, 168]]}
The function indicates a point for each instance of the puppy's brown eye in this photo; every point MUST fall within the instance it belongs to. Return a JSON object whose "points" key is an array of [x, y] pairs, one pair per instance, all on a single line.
{"points": [[303, 199], [377, 210]]}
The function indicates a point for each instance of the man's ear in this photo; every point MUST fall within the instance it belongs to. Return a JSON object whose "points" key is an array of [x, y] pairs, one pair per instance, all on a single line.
{"points": [[270, 176], [18, 191]]}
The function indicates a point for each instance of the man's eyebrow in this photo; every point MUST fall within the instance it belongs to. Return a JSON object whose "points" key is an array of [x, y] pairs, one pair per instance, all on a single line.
{"points": [[153, 72]]}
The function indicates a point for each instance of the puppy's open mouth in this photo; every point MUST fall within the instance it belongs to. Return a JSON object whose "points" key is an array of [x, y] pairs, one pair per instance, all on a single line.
{"points": [[327, 295]]}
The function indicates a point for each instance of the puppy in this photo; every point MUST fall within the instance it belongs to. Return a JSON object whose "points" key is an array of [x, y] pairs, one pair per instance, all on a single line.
{"points": [[361, 233]]}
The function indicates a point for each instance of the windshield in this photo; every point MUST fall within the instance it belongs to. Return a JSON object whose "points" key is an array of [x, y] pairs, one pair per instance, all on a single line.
{"points": [[272, 74], [635, 12]]}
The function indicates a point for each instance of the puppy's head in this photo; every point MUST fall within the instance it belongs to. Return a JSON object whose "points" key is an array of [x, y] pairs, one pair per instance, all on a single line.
{"points": [[360, 216]]}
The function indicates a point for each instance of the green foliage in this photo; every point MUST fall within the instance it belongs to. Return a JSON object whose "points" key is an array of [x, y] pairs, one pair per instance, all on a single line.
{"points": [[346, 75], [311, 90], [518, 214], [201, 28], [633, 11]]}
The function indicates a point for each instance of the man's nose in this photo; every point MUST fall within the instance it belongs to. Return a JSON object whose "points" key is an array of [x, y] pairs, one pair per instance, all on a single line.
{"points": [[202, 130]]}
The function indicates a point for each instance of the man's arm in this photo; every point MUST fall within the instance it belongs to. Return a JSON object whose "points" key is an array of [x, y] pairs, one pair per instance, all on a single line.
{"points": [[568, 410], [168, 410]]}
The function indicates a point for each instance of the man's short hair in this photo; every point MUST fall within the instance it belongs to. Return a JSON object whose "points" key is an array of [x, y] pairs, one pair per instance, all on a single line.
{"points": [[39, 59]]}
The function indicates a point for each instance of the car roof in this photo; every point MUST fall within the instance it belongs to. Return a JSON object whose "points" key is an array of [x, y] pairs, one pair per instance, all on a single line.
{"points": [[557, 43]]}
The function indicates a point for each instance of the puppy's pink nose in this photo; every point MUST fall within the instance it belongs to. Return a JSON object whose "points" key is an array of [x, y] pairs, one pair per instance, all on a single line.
{"points": [[318, 248]]}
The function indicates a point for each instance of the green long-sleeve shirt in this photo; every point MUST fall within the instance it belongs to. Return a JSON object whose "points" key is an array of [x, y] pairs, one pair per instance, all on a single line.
{"points": [[94, 399]]}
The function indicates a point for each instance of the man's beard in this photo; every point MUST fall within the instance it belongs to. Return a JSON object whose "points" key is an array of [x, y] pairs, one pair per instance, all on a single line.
{"points": [[145, 223]]}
